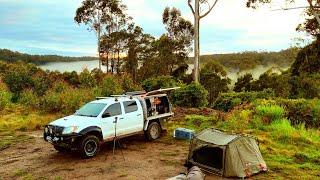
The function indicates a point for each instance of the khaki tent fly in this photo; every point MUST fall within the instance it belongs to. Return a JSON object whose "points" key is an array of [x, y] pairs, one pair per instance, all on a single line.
{"points": [[228, 155]]}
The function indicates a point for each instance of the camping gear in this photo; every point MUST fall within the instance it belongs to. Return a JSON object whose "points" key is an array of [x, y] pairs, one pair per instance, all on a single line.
{"points": [[194, 173], [182, 133], [228, 155]]}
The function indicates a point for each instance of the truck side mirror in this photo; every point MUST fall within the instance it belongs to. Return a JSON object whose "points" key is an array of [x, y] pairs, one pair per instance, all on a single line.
{"points": [[106, 114]]}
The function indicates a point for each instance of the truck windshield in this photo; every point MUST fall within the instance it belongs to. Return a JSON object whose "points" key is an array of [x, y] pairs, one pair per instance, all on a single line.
{"points": [[90, 109]]}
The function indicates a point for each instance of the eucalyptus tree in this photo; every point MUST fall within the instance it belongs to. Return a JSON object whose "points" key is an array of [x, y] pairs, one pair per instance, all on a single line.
{"points": [[178, 39], [99, 16], [139, 52], [196, 8]]}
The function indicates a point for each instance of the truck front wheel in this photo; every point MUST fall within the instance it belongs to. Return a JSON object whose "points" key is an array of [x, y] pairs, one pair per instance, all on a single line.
{"points": [[153, 132], [89, 146]]}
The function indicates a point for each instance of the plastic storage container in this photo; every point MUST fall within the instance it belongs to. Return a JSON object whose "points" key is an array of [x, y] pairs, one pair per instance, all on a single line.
{"points": [[183, 133]]}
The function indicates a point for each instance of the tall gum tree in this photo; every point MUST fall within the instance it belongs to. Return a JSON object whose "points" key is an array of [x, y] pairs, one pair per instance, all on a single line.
{"points": [[197, 17], [98, 15]]}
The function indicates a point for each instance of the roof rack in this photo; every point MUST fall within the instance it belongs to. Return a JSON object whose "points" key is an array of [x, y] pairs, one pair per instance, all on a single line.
{"points": [[97, 98], [135, 93], [142, 93]]}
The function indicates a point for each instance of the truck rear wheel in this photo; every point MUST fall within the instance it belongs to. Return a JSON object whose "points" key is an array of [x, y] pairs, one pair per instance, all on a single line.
{"points": [[89, 146], [153, 132]]}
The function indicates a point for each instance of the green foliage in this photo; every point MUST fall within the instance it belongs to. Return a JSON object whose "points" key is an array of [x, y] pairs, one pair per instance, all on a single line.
{"points": [[279, 83], [66, 100], [192, 95], [86, 80], [270, 113], [308, 60], [237, 122], [159, 82], [72, 78], [110, 86], [51, 102], [127, 83], [29, 99], [19, 76], [227, 101], [214, 78], [305, 86], [5, 96], [198, 122], [243, 83], [282, 130], [298, 111], [41, 83]]}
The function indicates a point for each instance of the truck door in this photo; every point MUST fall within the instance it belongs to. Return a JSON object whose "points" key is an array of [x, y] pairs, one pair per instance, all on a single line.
{"points": [[133, 118], [112, 113]]}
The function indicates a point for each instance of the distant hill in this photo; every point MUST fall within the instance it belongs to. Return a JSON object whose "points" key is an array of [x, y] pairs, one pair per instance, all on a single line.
{"points": [[13, 56], [251, 59]]}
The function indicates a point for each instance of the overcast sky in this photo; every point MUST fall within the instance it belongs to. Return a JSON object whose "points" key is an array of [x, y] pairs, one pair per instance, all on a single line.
{"points": [[47, 26]]}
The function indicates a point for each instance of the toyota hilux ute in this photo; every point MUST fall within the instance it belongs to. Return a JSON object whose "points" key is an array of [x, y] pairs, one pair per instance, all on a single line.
{"points": [[108, 117]]}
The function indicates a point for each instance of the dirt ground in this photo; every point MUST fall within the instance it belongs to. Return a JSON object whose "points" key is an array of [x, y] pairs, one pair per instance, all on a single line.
{"points": [[37, 159]]}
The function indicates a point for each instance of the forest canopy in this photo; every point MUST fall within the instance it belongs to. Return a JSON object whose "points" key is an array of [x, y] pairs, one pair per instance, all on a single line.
{"points": [[14, 56]]}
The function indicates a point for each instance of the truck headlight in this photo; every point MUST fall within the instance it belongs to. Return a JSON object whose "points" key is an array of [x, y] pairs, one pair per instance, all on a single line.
{"points": [[46, 129], [70, 130]]}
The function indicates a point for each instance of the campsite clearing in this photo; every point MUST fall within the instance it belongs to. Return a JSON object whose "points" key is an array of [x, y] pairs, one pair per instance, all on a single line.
{"points": [[34, 159]]}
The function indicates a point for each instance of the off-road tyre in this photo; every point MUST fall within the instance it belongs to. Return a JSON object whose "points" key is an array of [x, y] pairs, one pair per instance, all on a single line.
{"points": [[153, 132], [89, 146], [61, 149]]}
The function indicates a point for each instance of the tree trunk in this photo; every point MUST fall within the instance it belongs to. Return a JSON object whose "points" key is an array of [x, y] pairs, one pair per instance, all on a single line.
{"points": [[107, 61], [196, 41], [99, 34], [118, 63]]}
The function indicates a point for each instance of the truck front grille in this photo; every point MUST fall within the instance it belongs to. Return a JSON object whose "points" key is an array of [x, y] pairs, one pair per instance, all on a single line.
{"points": [[55, 130]]}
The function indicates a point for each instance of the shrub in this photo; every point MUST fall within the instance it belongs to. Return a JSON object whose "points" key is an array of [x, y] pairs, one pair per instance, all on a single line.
{"points": [[29, 98], [298, 111], [270, 113], [159, 82], [70, 102], [227, 101], [5, 97], [18, 76], [51, 102], [192, 95], [72, 78], [86, 80], [110, 86], [237, 122], [214, 78], [128, 85], [41, 83]]}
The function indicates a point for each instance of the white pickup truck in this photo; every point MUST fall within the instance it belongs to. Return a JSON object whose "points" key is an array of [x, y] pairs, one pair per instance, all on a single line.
{"points": [[108, 117]]}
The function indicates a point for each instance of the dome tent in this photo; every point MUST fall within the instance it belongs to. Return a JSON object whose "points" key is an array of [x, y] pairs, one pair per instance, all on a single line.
{"points": [[228, 155]]}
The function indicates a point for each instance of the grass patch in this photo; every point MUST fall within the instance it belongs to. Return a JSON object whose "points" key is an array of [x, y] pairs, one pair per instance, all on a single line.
{"points": [[198, 122], [290, 151], [9, 138], [270, 113], [20, 173], [21, 120]]}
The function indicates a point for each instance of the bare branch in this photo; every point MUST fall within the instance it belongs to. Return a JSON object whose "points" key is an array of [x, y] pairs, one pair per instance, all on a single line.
{"points": [[314, 12], [210, 9], [189, 3]]}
